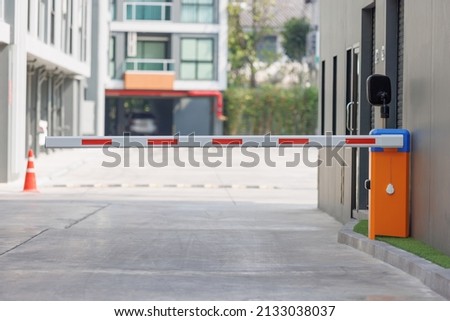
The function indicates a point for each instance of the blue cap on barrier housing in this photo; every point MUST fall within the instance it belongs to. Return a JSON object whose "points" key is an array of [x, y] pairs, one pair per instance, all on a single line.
{"points": [[392, 131]]}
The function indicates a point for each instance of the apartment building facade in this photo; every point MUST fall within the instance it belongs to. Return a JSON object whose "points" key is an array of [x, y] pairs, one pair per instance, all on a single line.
{"points": [[409, 41], [167, 67], [45, 60]]}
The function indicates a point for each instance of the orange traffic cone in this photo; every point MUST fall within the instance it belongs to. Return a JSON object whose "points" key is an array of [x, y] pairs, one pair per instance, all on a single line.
{"points": [[30, 177]]}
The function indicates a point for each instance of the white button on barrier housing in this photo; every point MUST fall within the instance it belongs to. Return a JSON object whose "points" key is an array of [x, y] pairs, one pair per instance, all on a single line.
{"points": [[390, 189]]}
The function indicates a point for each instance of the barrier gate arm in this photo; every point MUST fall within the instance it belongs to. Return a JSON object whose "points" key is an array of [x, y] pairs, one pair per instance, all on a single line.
{"points": [[381, 141], [389, 163]]}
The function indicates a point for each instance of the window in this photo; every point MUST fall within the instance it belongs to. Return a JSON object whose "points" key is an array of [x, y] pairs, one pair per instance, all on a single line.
{"points": [[197, 62], [63, 25], [42, 24], [82, 29], [71, 27], [112, 57], [197, 11], [29, 14], [151, 49], [113, 10], [266, 49], [52, 22], [66, 26], [334, 102], [149, 10], [150, 55]]}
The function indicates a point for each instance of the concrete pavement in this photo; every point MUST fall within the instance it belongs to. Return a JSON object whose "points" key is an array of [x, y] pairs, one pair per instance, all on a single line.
{"points": [[95, 233]]}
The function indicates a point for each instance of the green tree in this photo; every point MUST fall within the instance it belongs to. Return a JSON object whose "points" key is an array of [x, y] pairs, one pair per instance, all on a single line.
{"points": [[237, 44], [242, 44], [295, 33]]}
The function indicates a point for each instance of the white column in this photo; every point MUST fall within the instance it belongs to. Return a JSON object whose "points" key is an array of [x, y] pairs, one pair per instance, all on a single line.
{"points": [[223, 44], [58, 12], [88, 31], [33, 17], [4, 113], [17, 91], [75, 25], [102, 64]]}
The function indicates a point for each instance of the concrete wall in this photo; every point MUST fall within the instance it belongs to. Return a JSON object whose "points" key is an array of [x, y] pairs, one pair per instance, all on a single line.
{"points": [[425, 102]]}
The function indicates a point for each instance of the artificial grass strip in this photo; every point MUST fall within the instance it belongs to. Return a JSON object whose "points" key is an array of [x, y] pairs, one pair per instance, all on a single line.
{"points": [[410, 245], [362, 227]]}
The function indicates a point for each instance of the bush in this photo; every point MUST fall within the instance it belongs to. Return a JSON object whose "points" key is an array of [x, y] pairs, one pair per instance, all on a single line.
{"points": [[270, 109]]}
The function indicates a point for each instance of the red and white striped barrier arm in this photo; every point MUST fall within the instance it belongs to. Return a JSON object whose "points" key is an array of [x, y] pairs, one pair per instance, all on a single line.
{"points": [[382, 141]]}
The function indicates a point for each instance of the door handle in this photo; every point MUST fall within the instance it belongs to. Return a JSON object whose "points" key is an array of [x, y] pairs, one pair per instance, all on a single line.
{"points": [[349, 110]]}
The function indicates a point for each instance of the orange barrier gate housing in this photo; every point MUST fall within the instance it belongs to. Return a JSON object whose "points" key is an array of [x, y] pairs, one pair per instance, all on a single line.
{"points": [[389, 187]]}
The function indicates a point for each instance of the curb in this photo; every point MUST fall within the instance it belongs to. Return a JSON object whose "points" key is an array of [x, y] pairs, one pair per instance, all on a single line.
{"points": [[435, 277]]}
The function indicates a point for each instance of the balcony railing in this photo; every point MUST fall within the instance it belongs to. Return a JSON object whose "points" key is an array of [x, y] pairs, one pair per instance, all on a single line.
{"points": [[145, 64], [155, 11]]}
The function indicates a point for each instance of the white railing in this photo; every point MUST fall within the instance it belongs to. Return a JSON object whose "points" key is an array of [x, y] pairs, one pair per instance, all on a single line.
{"points": [[159, 11], [146, 64]]}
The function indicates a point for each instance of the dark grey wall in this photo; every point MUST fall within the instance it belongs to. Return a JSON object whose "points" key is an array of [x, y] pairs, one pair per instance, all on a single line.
{"points": [[163, 111], [425, 102], [193, 115], [427, 115]]}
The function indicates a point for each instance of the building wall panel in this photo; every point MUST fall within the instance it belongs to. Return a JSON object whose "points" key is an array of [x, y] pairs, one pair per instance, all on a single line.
{"points": [[340, 28], [440, 177]]}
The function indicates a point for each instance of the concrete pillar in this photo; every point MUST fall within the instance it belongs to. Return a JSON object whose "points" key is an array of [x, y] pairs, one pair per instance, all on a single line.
{"points": [[99, 62], [16, 83], [4, 112]]}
